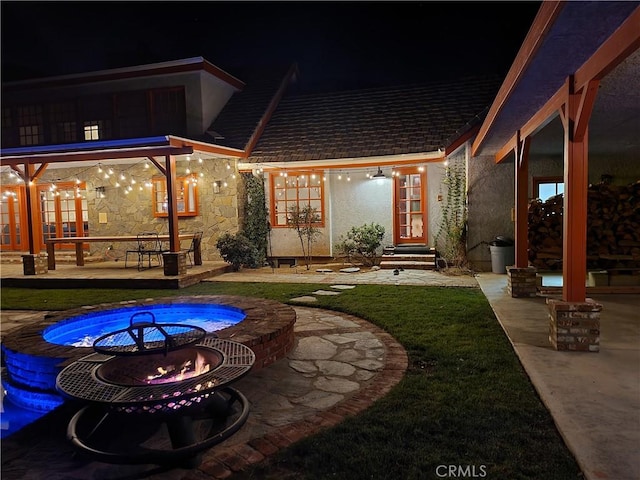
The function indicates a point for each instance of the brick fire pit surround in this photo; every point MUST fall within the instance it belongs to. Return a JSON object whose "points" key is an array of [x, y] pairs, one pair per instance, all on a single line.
{"points": [[267, 329]]}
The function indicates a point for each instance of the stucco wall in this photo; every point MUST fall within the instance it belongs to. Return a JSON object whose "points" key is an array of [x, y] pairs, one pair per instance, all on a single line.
{"points": [[362, 201], [435, 197], [490, 198], [212, 97]]}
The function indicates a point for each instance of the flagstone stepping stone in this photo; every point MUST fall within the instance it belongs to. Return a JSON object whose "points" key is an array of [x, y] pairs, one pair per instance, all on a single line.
{"points": [[336, 385], [343, 287], [350, 270], [305, 298], [325, 292], [324, 270]]}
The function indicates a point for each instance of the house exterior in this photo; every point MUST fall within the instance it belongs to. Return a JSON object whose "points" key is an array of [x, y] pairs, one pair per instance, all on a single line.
{"points": [[185, 131], [82, 142], [326, 149]]}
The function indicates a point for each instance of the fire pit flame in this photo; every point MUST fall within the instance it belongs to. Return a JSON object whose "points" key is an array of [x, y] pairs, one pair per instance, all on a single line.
{"points": [[187, 369]]}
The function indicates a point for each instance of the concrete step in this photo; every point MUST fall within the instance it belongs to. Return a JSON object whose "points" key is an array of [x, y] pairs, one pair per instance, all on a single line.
{"points": [[409, 260], [411, 249]]}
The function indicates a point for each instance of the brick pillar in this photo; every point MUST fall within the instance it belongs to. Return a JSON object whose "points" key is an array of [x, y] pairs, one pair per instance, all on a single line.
{"points": [[175, 263], [574, 326], [35, 264], [522, 282]]}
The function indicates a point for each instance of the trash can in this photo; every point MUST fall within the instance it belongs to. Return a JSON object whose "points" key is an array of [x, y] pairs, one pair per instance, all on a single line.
{"points": [[503, 254]]}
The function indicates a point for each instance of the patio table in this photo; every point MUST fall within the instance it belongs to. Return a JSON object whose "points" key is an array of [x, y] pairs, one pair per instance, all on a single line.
{"points": [[80, 241]]}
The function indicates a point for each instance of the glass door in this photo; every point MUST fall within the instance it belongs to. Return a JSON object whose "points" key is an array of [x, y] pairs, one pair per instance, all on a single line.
{"points": [[11, 219], [410, 220], [63, 211]]}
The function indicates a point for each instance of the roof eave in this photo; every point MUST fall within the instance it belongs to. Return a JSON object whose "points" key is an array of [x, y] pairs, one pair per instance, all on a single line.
{"points": [[546, 16]]}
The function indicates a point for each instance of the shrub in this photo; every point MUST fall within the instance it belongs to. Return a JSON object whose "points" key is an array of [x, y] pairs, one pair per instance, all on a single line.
{"points": [[256, 219], [237, 250], [362, 243]]}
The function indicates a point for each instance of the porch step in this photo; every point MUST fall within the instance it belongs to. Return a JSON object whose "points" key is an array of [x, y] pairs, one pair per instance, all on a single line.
{"points": [[409, 249], [414, 261]]}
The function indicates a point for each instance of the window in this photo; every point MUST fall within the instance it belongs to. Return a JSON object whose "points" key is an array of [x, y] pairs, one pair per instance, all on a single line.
{"points": [[96, 115], [186, 192], [93, 130], [296, 189], [30, 130], [8, 131], [62, 118], [547, 187]]}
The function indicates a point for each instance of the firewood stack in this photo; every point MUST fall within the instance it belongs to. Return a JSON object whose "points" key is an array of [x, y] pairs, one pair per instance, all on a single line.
{"points": [[613, 228]]}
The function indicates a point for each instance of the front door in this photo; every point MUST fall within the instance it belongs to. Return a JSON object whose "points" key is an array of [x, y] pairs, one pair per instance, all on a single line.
{"points": [[410, 219], [12, 218]]}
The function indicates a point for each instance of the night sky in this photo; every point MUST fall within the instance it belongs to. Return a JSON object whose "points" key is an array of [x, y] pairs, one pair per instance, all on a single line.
{"points": [[336, 45]]}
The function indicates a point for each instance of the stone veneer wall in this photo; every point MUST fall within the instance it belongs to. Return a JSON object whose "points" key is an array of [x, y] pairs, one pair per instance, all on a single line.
{"points": [[131, 213]]}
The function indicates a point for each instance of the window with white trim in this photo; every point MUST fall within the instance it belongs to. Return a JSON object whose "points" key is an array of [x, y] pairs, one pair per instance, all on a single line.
{"points": [[296, 189]]}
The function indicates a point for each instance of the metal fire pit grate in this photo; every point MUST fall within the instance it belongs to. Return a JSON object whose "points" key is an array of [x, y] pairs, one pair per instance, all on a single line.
{"points": [[81, 380], [148, 337]]}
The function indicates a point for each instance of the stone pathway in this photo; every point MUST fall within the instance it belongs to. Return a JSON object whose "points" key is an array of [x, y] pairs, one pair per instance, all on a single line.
{"points": [[361, 277]]}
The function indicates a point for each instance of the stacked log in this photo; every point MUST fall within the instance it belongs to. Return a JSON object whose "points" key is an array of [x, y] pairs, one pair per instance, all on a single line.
{"points": [[613, 228]]}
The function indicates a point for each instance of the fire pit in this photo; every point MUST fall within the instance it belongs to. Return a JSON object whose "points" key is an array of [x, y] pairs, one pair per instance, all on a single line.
{"points": [[156, 393]]}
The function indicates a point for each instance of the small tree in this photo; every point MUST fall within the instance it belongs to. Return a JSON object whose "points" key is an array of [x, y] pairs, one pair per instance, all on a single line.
{"points": [[362, 243], [237, 250], [303, 221]]}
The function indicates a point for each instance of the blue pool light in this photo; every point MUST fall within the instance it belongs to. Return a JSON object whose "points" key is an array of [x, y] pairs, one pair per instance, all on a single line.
{"points": [[83, 330], [13, 417]]}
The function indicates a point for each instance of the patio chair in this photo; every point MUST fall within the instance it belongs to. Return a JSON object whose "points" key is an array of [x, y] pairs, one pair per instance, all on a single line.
{"points": [[148, 247], [195, 245]]}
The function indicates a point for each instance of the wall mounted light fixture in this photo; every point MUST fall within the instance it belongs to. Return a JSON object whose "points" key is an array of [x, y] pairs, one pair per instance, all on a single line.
{"points": [[379, 174]]}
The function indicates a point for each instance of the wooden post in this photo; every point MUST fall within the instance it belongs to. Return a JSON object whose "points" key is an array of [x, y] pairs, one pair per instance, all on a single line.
{"points": [[522, 201], [576, 170]]}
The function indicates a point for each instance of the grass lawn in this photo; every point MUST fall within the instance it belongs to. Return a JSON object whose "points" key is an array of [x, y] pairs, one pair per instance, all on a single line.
{"points": [[465, 402]]}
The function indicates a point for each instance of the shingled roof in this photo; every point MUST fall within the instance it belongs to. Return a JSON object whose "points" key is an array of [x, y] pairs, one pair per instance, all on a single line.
{"points": [[374, 122], [241, 117]]}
